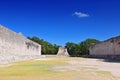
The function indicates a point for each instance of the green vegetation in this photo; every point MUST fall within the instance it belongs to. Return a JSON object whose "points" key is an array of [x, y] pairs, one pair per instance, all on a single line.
{"points": [[81, 48], [47, 48], [44, 69], [27, 68], [74, 49], [36, 67]]}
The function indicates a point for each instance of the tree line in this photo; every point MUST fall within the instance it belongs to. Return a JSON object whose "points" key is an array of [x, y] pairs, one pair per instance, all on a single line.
{"points": [[74, 49], [82, 48], [46, 47]]}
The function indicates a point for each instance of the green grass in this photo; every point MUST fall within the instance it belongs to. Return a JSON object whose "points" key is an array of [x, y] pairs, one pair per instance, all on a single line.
{"points": [[27, 68], [44, 70], [104, 72]]}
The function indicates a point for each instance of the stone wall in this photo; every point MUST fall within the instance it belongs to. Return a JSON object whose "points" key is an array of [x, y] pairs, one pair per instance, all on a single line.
{"points": [[62, 51], [14, 46], [108, 47]]}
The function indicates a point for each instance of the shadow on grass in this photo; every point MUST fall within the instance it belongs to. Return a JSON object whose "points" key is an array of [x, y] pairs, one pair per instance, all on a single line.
{"points": [[111, 59]]}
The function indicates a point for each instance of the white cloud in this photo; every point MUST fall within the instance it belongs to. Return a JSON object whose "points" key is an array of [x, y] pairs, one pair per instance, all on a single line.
{"points": [[81, 15]]}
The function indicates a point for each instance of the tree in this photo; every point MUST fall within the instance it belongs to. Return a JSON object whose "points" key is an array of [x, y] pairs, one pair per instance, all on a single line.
{"points": [[47, 48], [73, 48], [85, 45], [81, 48]]}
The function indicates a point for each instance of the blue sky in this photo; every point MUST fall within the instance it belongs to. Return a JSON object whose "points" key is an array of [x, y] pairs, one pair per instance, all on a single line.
{"points": [[61, 21]]}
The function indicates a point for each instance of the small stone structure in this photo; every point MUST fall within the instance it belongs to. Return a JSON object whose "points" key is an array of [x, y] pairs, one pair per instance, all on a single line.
{"points": [[62, 52], [108, 48], [15, 47]]}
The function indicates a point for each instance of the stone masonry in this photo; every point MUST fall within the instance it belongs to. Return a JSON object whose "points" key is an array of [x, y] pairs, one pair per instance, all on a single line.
{"points": [[15, 47], [62, 52], [108, 47]]}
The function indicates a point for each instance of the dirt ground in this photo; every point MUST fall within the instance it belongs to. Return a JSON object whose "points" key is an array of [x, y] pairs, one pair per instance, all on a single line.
{"points": [[98, 64], [92, 66], [75, 68]]}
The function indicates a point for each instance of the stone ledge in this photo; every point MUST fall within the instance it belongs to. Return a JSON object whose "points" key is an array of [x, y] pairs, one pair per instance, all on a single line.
{"points": [[6, 60]]}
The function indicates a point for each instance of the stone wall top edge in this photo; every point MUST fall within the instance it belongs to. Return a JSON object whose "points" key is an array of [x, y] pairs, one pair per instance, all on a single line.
{"points": [[7, 29], [32, 41], [18, 34], [113, 38], [117, 37]]}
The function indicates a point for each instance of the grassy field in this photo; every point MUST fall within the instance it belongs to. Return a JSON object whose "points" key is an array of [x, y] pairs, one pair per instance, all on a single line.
{"points": [[45, 69]]}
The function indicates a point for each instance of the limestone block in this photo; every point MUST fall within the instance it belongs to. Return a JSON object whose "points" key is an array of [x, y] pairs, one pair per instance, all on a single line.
{"points": [[62, 52], [14, 45]]}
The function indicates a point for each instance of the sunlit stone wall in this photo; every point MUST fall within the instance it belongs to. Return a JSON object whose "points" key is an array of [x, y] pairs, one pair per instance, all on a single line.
{"points": [[14, 46], [108, 47]]}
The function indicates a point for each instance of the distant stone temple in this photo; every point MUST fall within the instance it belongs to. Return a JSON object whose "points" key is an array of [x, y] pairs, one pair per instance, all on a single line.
{"points": [[62, 52], [108, 47], [15, 47]]}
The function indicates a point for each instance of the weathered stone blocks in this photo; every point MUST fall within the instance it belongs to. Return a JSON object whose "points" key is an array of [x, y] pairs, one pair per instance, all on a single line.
{"points": [[14, 46], [62, 52], [108, 47]]}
